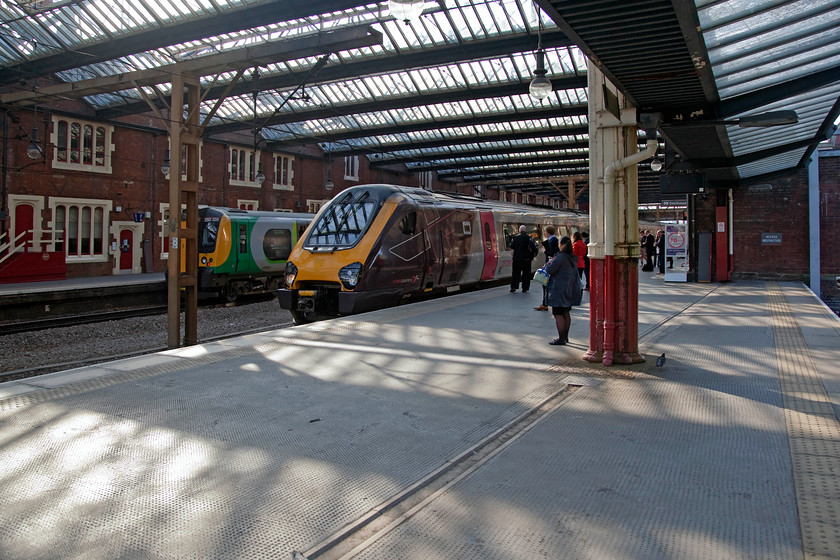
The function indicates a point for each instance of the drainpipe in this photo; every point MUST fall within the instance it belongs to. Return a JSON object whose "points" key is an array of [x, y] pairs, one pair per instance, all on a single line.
{"points": [[610, 203]]}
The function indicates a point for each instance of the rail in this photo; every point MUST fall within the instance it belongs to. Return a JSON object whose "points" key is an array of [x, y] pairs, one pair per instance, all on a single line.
{"points": [[9, 248]]}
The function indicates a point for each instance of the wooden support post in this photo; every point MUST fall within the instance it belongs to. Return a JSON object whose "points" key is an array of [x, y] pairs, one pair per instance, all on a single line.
{"points": [[183, 190]]}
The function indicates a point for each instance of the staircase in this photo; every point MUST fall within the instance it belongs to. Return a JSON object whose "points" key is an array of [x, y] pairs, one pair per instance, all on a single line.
{"points": [[19, 262]]}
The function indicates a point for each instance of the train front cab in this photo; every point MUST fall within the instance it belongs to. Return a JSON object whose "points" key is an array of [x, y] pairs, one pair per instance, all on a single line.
{"points": [[335, 255]]}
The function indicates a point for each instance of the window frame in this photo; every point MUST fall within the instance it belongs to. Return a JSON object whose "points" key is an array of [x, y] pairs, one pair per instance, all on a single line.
{"points": [[89, 149], [95, 213], [245, 163]]}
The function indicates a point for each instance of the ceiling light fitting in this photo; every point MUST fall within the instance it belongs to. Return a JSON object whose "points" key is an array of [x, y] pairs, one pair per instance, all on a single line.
{"points": [[406, 10], [540, 86]]}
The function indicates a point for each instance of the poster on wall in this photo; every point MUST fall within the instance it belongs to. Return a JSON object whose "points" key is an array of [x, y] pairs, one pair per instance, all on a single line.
{"points": [[676, 252]]}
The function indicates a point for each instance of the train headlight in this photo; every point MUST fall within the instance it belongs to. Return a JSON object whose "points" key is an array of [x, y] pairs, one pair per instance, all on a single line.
{"points": [[349, 275], [291, 274], [204, 261]]}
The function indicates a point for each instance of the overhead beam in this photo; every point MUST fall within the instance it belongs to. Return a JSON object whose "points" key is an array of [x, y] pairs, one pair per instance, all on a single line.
{"points": [[525, 176], [467, 94], [259, 55], [509, 159], [487, 170], [447, 156], [366, 67], [216, 23], [418, 126], [473, 139]]}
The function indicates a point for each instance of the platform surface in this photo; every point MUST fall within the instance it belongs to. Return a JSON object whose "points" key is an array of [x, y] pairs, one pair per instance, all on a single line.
{"points": [[267, 444]]}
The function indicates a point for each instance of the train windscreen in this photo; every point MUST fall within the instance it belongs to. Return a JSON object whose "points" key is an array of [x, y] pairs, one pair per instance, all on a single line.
{"points": [[208, 229], [343, 222]]}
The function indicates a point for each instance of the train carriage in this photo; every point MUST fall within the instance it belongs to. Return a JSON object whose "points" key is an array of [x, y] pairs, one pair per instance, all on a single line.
{"points": [[374, 246], [244, 251]]}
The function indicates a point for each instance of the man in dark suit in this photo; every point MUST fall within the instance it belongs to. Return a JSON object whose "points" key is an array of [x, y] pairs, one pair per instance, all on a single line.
{"points": [[520, 244], [650, 250]]}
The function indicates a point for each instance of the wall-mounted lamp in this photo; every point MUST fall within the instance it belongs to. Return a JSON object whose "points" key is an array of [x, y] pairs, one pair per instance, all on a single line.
{"points": [[260, 175], [656, 165], [34, 150], [165, 168], [406, 10]]}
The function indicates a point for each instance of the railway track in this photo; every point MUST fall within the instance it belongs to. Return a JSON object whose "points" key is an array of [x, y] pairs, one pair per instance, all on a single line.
{"points": [[31, 325], [43, 369], [81, 319], [37, 347]]}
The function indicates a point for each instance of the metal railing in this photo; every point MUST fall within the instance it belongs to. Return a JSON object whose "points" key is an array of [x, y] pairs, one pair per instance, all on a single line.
{"points": [[12, 246]]}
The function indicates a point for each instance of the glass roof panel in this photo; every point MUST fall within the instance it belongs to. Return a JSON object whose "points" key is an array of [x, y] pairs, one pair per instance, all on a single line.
{"points": [[787, 160], [759, 43]]}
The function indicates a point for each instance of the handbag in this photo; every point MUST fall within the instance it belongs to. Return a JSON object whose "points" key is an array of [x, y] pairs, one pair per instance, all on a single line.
{"points": [[541, 276]]}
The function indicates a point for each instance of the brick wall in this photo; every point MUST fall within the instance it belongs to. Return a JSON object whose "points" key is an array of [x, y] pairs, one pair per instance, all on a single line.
{"points": [[777, 207], [136, 184]]}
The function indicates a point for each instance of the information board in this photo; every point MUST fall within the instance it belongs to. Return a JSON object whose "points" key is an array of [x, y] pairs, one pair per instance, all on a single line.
{"points": [[676, 252]]}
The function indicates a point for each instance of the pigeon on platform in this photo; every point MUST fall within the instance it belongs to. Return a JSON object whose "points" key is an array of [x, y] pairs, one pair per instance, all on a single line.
{"points": [[660, 361]]}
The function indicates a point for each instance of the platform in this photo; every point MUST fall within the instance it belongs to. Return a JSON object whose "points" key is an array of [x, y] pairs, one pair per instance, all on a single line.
{"points": [[54, 299], [487, 442]]}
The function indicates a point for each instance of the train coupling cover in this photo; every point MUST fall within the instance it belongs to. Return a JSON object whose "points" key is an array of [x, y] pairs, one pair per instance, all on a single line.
{"points": [[297, 300]]}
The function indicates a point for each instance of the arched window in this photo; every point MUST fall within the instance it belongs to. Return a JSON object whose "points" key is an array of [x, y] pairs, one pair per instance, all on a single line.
{"points": [[81, 228]]}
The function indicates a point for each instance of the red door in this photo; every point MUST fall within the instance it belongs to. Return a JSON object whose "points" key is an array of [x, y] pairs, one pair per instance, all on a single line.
{"points": [[491, 253], [126, 249], [24, 222]]}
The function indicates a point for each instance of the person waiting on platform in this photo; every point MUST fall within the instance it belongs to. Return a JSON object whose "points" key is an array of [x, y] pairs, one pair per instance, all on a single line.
{"points": [[579, 249], [551, 247], [524, 250], [564, 289]]}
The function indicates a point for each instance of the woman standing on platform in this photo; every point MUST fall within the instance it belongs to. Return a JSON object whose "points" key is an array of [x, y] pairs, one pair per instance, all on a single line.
{"points": [[579, 249], [563, 290], [552, 247]]}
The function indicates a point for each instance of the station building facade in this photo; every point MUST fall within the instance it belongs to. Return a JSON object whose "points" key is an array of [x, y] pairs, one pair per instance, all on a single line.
{"points": [[96, 198]]}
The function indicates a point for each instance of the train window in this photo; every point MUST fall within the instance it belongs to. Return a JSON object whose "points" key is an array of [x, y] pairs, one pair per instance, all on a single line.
{"points": [[488, 245], [344, 222], [509, 230], [408, 223], [277, 244], [533, 230], [243, 239]]}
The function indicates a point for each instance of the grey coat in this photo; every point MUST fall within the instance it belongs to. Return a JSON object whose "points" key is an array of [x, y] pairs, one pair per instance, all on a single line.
{"points": [[563, 289]]}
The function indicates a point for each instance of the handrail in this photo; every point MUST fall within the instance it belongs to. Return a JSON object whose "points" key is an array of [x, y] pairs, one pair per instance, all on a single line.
{"points": [[11, 246]]}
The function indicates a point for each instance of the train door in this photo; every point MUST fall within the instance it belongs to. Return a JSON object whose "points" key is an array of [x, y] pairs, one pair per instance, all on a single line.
{"points": [[433, 252], [491, 253], [242, 247], [126, 249], [24, 222]]}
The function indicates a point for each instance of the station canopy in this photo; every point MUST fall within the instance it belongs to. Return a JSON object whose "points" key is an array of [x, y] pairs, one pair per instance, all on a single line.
{"points": [[448, 91]]}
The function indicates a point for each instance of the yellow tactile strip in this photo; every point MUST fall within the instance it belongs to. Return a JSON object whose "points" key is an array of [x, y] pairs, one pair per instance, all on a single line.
{"points": [[813, 434]]}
